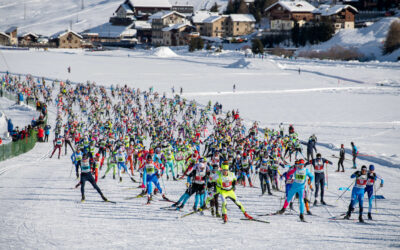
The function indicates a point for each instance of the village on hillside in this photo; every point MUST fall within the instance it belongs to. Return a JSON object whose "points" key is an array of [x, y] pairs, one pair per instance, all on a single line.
{"points": [[149, 23]]}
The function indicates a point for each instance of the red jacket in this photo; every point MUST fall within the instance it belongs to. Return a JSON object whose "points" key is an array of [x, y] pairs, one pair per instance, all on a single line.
{"points": [[40, 132]]}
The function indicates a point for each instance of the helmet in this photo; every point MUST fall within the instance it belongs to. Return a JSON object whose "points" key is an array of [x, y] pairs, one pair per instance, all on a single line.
{"points": [[97, 155], [225, 167], [244, 154], [318, 155], [364, 167], [300, 162], [371, 167]]}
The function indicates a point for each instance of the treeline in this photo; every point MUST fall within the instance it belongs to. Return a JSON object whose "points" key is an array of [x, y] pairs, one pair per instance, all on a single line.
{"points": [[240, 7]]}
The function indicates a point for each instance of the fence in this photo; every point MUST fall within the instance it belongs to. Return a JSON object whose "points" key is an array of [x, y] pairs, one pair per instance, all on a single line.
{"points": [[19, 147]]}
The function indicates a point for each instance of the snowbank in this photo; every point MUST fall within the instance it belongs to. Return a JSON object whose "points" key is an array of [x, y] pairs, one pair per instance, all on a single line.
{"points": [[3, 124], [21, 107], [369, 40], [164, 52]]}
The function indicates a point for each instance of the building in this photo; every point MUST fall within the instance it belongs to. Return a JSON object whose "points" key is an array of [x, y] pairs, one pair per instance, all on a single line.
{"points": [[341, 16], [216, 26], [5, 39], [184, 9], [161, 20], [240, 24], [178, 34], [12, 32], [284, 14], [198, 20], [108, 34], [141, 9], [67, 39], [143, 29], [28, 39]]}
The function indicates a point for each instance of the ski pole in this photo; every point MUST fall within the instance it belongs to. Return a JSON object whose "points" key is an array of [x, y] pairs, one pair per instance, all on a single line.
{"points": [[376, 208], [327, 180], [352, 183], [71, 170], [162, 180]]}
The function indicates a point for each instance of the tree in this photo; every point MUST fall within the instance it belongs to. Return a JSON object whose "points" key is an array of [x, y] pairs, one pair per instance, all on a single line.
{"points": [[392, 38], [243, 8], [214, 8], [296, 34], [230, 8], [256, 46], [196, 43]]}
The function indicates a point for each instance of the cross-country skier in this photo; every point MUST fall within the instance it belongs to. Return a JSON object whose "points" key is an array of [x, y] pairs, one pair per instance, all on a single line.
{"points": [[57, 143], [341, 158], [86, 175], [319, 164], [369, 189], [76, 158], [357, 194], [354, 152]]}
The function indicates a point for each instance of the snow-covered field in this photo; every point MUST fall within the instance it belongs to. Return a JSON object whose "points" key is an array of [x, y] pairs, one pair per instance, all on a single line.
{"points": [[338, 101]]}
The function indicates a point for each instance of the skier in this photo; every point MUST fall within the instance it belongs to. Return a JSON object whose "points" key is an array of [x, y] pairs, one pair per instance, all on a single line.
{"points": [[57, 143], [311, 147], [111, 163], [87, 176], [369, 189], [226, 188], [319, 164], [263, 175], [152, 176], [76, 158], [354, 152], [341, 158], [357, 194], [300, 174], [121, 162]]}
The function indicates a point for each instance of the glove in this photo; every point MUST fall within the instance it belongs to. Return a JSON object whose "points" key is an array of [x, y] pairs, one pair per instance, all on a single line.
{"points": [[256, 171], [311, 187]]}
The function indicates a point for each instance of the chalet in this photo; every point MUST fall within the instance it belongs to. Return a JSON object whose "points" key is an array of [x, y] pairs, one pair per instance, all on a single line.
{"points": [[284, 14], [216, 26], [161, 20], [13, 33], [240, 24], [28, 39], [108, 34], [5, 39], [67, 39], [178, 34], [141, 9], [143, 29], [341, 16], [198, 20]]}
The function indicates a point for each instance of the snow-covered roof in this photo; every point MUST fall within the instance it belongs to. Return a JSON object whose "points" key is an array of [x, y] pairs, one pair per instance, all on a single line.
{"points": [[200, 16], [11, 29], [294, 6], [175, 26], [164, 14], [129, 33], [30, 33], [142, 25], [151, 3], [242, 18], [127, 8], [110, 31], [212, 19], [4, 34], [327, 10], [62, 33]]}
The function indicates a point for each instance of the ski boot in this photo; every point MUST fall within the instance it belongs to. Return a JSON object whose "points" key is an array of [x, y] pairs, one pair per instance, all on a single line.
{"points": [[250, 184], [302, 218], [247, 216], [175, 204], [175, 179], [315, 202], [77, 176], [148, 199], [309, 212], [225, 218], [282, 211], [369, 216], [120, 179], [179, 207], [217, 214], [103, 177], [114, 176], [291, 206], [360, 219], [83, 198], [348, 215], [323, 202]]}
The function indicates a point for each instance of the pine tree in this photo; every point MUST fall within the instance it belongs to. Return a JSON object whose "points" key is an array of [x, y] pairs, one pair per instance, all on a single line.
{"points": [[256, 46], [214, 8], [243, 8], [230, 8], [296, 34]]}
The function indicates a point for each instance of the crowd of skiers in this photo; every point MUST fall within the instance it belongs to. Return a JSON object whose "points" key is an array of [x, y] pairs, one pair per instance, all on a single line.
{"points": [[143, 134]]}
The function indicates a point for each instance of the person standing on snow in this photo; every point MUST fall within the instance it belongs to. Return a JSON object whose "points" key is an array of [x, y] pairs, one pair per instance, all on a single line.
{"points": [[86, 175], [312, 141], [58, 143], [341, 158]]}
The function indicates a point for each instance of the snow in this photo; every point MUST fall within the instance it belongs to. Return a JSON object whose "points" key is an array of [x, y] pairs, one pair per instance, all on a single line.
{"points": [[151, 3], [338, 101], [241, 63], [369, 40], [294, 6], [109, 30], [242, 18], [164, 52], [327, 10], [200, 16]]}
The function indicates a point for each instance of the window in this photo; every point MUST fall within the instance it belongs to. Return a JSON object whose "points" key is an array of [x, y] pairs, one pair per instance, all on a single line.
{"points": [[237, 29]]}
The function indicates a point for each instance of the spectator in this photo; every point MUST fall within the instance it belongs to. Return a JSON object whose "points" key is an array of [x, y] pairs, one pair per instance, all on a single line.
{"points": [[40, 134]]}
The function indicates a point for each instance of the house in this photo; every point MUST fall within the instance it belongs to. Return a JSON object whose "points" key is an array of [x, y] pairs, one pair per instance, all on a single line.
{"points": [[283, 14], [141, 9], [108, 34], [28, 39], [341, 16], [161, 20], [240, 24], [216, 26], [143, 29], [198, 20], [13, 33], [67, 39], [183, 8], [178, 34], [5, 39]]}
